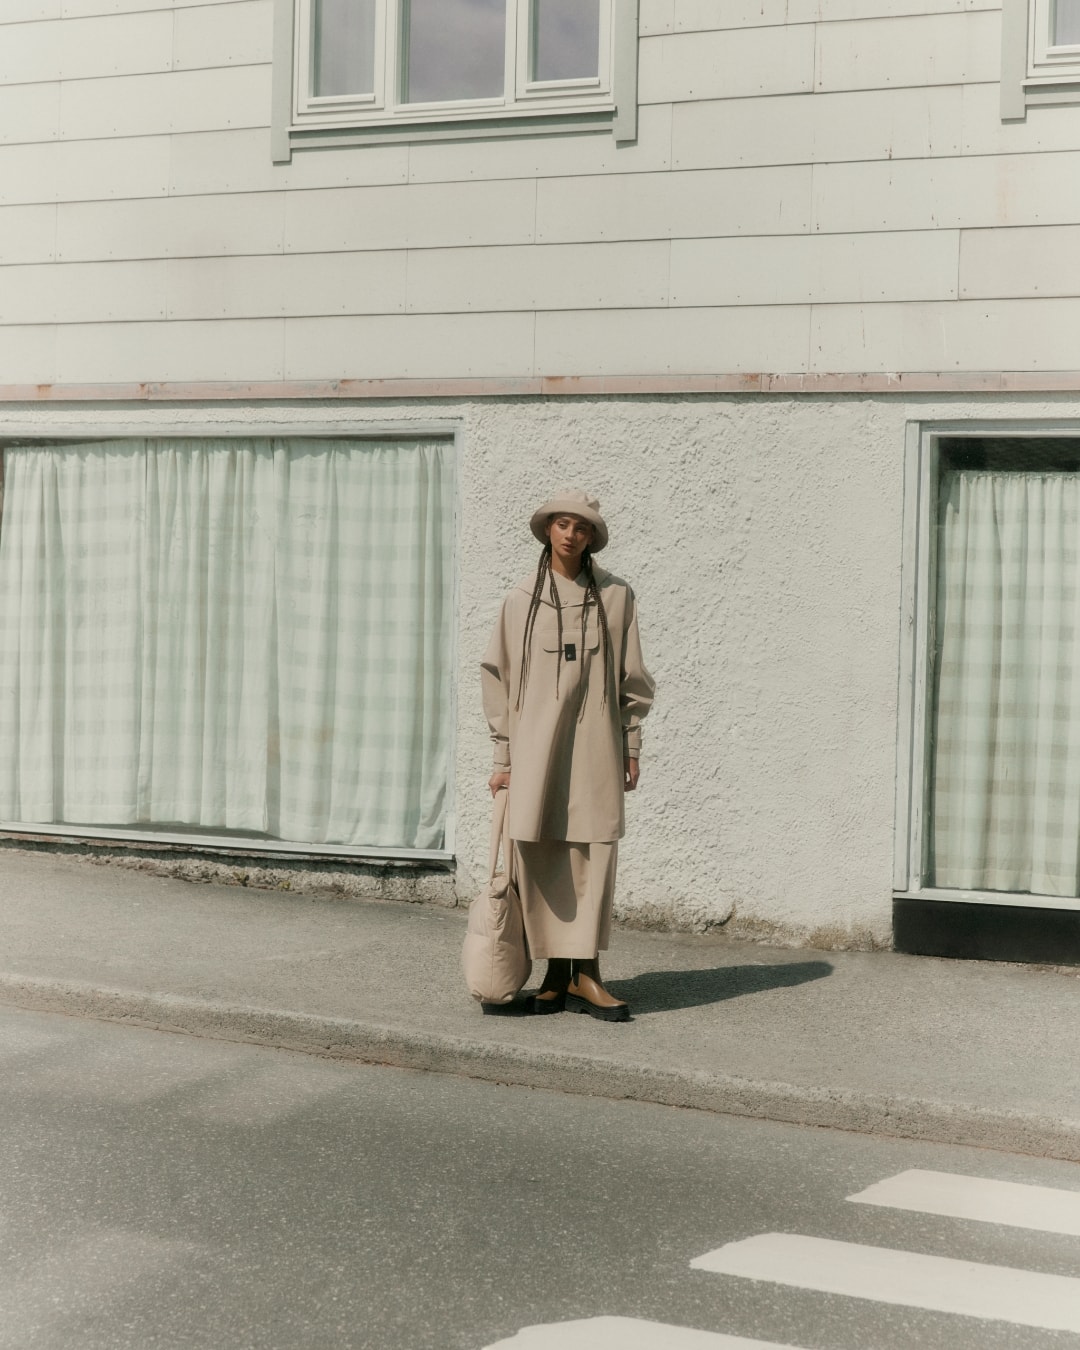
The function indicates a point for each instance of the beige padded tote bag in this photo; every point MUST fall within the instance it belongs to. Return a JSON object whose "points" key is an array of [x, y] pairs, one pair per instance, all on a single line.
{"points": [[495, 958]]}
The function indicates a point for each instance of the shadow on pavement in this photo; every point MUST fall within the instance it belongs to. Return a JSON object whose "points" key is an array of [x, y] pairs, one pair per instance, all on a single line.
{"points": [[665, 990]]}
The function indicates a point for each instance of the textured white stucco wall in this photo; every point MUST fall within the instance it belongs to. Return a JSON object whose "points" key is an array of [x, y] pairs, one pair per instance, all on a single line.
{"points": [[763, 538]]}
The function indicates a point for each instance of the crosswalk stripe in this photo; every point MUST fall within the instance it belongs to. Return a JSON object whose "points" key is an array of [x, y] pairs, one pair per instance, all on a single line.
{"points": [[626, 1333], [939, 1283], [962, 1197]]}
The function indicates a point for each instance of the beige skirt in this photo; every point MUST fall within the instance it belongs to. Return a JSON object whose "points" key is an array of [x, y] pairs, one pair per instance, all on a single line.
{"points": [[567, 892]]}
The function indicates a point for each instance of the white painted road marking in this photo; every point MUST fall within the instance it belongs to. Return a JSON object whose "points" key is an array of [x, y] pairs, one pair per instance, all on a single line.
{"points": [[626, 1333], [940, 1283], [961, 1197]]}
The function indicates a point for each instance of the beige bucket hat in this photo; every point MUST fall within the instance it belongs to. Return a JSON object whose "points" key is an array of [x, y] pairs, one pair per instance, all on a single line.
{"points": [[571, 502]]}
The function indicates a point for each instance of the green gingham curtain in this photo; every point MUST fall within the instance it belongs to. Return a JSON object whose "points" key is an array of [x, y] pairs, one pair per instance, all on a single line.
{"points": [[242, 635], [1005, 753]]}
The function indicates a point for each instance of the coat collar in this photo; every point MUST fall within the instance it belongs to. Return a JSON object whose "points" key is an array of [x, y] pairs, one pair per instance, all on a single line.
{"points": [[570, 592]]}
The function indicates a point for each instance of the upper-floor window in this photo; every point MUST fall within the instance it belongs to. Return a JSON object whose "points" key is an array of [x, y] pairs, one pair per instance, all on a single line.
{"points": [[1055, 39], [1040, 55], [383, 69], [388, 59]]}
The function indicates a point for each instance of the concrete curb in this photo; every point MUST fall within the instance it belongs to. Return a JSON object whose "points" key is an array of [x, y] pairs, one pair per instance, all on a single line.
{"points": [[589, 1075]]}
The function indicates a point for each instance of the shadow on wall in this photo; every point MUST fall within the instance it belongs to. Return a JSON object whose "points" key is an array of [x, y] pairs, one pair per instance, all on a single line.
{"points": [[665, 990]]}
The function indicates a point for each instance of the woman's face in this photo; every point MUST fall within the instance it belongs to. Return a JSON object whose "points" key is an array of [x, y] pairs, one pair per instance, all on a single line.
{"points": [[570, 536]]}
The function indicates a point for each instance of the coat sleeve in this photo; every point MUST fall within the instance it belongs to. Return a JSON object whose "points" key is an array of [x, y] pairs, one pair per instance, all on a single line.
{"points": [[495, 685], [636, 685]]}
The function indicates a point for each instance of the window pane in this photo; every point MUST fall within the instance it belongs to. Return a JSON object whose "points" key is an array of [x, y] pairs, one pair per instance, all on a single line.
{"points": [[1066, 23], [343, 44], [237, 635], [566, 39], [454, 49]]}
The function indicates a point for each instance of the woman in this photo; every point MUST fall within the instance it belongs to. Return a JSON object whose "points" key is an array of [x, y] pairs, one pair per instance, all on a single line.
{"points": [[565, 690]]}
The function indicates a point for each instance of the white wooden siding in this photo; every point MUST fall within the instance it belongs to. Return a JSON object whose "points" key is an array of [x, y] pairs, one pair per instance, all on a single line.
{"points": [[28, 354], [297, 285], [674, 205], [84, 293], [1023, 262], [29, 112], [206, 164], [100, 353], [547, 156], [962, 335], [824, 269], [240, 33], [673, 341], [414, 216], [559, 276], [426, 346], [817, 185], [27, 234], [982, 191], [734, 63], [817, 128], [72, 171], [185, 100], [912, 52], [171, 227], [984, 133]]}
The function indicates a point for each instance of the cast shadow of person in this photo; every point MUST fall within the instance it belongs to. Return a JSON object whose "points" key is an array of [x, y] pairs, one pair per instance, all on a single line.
{"points": [[666, 990]]}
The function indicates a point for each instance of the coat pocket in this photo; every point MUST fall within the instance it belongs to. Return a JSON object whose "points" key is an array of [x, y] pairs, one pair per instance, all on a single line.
{"points": [[547, 636]]}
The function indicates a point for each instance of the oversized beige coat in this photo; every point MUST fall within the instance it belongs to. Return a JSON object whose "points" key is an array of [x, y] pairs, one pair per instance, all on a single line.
{"points": [[565, 751]]}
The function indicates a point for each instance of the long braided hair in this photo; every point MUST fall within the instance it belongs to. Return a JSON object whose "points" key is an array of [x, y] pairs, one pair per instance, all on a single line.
{"points": [[544, 575]]}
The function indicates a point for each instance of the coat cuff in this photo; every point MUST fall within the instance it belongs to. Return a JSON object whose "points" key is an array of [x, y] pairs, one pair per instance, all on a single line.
{"points": [[501, 756], [632, 743]]}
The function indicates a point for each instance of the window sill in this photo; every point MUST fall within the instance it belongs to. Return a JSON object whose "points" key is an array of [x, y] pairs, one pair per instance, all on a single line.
{"points": [[1010, 899], [470, 126], [1048, 91], [221, 843]]}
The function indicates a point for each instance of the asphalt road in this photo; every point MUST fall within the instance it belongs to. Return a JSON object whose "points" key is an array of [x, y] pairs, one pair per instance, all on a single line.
{"points": [[163, 1193]]}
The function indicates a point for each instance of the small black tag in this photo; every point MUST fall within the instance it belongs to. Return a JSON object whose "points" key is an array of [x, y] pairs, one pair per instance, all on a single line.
{"points": [[569, 652]]}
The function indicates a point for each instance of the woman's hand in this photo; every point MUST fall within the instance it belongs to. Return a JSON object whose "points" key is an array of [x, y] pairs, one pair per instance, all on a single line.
{"points": [[631, 774], [499, 779]]}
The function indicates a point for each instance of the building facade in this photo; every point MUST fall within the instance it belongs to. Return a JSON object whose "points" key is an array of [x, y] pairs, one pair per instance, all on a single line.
{"points": [[304, 304]]}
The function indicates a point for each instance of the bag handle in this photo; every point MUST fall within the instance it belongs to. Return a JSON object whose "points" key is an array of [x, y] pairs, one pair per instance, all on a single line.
{"points": [[500, 835]]}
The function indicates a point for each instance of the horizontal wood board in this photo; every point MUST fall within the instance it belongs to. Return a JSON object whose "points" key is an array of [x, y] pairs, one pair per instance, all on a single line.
{"points": [[818, 186]]}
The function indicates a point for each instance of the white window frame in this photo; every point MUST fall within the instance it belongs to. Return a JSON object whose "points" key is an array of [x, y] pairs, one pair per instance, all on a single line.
{"points": [[918, 589], [1045, 59], [607, 101], [170, 425], [1034, 72]]}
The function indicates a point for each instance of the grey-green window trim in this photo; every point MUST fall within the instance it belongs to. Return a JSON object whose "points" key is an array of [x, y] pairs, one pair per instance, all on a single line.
{"points": [[1024, 84], [620, 119]]}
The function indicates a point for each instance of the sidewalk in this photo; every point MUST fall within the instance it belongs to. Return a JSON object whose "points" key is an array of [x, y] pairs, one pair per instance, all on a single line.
{"points": [[953, 1052]]}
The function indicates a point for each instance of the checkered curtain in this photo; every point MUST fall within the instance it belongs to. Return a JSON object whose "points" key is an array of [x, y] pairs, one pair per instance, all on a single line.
{"points": [[241, 635], [1005, 754]]}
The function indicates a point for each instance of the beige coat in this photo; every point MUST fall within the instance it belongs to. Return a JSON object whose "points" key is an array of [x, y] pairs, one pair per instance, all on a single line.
{"points": [[566, 751]]}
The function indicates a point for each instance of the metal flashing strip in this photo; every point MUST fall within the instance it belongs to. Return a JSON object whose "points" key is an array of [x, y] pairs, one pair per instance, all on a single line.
{"points": [[222, 843], [974, 930], [552, 386]]}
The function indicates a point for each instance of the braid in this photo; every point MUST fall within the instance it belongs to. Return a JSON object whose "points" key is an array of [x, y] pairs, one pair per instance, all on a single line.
{"points": [[592, 592], [558, 616], [545, 575], [543, 571]]}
